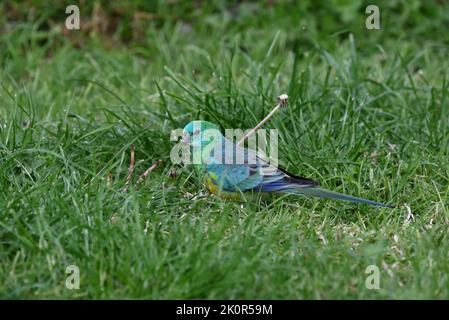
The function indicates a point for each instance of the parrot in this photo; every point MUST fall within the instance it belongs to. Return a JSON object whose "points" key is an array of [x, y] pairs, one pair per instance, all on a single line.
{"points": [[232, 179]]}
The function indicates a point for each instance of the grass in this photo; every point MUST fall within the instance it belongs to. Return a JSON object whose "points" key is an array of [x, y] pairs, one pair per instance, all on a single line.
{"points": [[368, 116]]}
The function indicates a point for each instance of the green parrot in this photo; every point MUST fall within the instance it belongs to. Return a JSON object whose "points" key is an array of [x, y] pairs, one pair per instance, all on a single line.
{"points": [[232, 171]]}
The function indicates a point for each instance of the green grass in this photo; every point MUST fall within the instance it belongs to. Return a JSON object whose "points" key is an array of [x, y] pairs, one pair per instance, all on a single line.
{"points": [[368, 116]]}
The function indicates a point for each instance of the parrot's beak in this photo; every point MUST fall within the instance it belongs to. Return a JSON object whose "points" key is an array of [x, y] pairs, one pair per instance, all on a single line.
{"points": [[186, 138]]}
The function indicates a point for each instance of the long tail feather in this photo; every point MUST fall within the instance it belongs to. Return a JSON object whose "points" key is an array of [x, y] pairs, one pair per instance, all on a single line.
{"points": [[323, 193]]}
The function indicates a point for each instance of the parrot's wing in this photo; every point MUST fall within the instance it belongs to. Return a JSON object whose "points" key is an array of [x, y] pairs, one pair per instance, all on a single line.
{"points": [[246, 170], [252, 173]]}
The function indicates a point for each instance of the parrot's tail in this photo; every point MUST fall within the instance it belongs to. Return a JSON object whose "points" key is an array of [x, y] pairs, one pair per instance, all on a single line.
{"points": [[323, 193]]}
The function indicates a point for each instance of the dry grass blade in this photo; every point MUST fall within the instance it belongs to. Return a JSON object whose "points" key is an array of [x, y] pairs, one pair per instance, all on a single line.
{"points": [[147, 172], [132, 163]]}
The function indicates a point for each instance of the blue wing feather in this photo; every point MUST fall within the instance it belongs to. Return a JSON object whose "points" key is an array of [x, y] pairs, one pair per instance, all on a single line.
{"points": [[262, 177]]}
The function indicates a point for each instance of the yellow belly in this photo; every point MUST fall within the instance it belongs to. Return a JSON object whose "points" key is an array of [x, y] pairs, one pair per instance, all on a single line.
{"points": [[213, 188]]}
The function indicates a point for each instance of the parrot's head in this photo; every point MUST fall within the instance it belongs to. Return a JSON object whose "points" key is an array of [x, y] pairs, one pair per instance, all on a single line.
{"points": [[200, 133]]}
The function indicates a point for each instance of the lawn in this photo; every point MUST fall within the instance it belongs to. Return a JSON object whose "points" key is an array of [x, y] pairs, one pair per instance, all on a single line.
{"points": [[368, 116]]}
